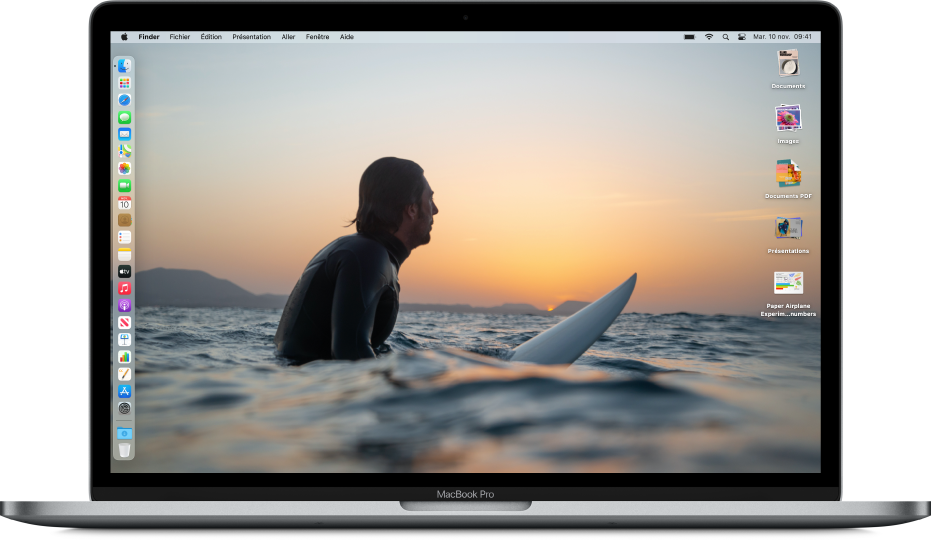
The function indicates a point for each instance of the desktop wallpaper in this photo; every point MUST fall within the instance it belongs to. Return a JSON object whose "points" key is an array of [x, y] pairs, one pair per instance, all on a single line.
{"points": [[559, 171]]}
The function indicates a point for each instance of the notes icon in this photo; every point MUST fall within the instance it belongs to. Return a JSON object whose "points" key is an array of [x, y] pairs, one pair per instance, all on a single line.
{"points": [[124, 254]]}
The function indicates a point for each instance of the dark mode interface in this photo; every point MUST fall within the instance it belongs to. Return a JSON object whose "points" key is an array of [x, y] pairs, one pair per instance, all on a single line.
{"points": [[347, 251]]}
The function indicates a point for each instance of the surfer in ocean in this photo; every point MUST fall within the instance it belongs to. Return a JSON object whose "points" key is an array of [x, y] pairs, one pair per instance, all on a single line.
{"points": [[346, 301]]}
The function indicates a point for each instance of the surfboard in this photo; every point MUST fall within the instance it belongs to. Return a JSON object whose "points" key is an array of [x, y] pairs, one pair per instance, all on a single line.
{"points": [[568, 340]]}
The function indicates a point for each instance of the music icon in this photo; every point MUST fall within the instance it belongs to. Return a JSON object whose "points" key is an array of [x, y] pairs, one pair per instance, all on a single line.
{"points": [[125, 287]]}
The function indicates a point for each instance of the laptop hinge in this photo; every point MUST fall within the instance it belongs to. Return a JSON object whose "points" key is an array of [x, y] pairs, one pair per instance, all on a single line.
{"points": [[475, 506]]}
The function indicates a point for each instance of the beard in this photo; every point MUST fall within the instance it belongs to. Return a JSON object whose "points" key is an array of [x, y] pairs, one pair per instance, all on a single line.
{"points": [[426, 227], [425, 239]]}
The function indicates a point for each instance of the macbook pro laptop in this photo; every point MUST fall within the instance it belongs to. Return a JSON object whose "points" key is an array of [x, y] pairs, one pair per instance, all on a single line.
{"points": [[617, 227]]}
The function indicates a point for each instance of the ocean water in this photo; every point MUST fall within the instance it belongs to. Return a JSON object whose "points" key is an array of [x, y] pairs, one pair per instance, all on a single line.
{"points": [[657, 393]]}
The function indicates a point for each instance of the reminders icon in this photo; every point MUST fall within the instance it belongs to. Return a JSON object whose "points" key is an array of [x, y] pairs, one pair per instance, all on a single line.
{"points": [[124, 254], [124, 134]]}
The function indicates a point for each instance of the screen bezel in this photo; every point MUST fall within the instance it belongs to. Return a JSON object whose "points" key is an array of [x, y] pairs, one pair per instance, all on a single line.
{"points": [[605, 16]]}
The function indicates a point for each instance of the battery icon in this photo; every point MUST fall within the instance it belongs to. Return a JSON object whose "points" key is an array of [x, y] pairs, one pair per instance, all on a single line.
{"points": [[690, 36]]}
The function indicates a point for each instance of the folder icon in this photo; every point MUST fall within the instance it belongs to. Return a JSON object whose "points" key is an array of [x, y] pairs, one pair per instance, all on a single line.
{"points": [[124, 254]]}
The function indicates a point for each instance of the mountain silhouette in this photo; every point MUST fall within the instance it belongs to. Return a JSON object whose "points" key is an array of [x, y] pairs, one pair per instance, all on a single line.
{"points": [[569, 307], [195, 288], [566, 308]]}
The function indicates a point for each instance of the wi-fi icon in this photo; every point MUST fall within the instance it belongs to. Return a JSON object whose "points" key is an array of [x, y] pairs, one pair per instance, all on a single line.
{"points": [[709, 36]]}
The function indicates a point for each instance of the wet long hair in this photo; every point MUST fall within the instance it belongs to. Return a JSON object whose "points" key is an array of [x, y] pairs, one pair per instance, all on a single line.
{"points": [[387, 186]]}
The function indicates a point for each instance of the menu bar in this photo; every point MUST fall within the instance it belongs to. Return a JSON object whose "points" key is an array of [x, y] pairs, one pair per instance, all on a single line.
{"points": [[317, 37]]}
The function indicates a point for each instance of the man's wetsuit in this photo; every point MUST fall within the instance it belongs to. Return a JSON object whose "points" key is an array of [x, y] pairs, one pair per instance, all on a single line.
{"points": [[345, 304]]}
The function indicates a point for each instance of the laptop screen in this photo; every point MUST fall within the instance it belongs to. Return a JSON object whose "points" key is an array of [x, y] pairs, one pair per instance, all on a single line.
{"points": [[442, 252]]}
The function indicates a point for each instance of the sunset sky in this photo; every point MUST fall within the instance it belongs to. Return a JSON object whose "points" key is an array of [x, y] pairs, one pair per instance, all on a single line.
{"points": [[559, 170]]}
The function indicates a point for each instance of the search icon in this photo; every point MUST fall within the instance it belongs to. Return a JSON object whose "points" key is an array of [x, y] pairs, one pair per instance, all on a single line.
{"points": [[725, 37]]}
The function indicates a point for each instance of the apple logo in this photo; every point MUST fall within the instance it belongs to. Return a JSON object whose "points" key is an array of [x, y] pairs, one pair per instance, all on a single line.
{"points": [[124, 36]]}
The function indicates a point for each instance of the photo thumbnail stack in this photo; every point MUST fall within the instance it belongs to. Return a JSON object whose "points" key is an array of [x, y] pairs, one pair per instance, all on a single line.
{"points": [[788, 117]]}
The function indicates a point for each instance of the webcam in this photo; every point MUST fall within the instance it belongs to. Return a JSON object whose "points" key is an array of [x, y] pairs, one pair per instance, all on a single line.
{"points": [[465, 17]]}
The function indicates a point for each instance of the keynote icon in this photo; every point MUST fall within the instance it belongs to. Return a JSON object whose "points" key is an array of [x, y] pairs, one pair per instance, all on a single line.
{"points": [[125, 287], [124, 254], [125, 323], [125, 357], [125, 305], [125, 340], [124, 391]]}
